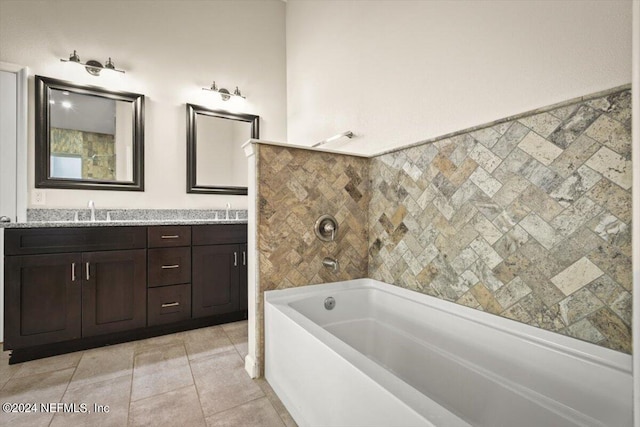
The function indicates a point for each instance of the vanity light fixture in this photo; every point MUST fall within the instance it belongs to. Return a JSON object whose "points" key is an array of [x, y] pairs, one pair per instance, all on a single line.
{"points": [[92, 66], [347, 134], [224, 93]]}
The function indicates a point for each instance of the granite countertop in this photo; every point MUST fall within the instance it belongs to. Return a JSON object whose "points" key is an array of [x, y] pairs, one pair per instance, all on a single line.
{"points": [[41, 218], [118, 223]]}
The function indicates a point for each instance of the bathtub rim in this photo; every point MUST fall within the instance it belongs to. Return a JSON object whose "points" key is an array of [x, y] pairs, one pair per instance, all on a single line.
{"points": [[584, 350]]}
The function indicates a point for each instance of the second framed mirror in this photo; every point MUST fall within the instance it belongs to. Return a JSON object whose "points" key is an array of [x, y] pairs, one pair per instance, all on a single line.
{"points": [[216, 163]]}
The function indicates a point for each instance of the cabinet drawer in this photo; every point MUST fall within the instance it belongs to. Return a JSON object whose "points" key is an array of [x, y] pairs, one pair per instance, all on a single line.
{"points": [[169, 304], [219, 234], [55, 240], [170, 266], [169, 236]]}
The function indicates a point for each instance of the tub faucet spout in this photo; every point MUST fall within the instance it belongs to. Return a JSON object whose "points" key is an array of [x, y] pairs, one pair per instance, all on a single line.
{"points": [[331, 263]]}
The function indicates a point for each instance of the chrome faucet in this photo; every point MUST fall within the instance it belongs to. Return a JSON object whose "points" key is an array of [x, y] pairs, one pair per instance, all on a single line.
{"points": [[228, 207], [331, 263], [92, 206]]}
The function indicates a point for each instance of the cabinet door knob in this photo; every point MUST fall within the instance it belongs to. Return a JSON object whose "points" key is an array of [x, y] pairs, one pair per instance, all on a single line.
{"points": [[244, 257], [87, 268], [235, 259], [73, 271]]}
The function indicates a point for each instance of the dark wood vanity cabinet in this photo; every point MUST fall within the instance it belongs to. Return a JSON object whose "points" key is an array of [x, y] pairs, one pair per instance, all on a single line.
{"points": [[42, 299], [72, 288], [113, 291], [54, 297], [169, 293], [216, 280], [218, 254]]}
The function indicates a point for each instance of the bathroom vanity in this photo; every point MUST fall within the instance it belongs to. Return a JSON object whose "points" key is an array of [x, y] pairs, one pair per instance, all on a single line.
{"points": [[70, 288]]}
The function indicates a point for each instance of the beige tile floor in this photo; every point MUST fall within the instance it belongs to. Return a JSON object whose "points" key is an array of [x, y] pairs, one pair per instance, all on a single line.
{"points": [[193, 378]]}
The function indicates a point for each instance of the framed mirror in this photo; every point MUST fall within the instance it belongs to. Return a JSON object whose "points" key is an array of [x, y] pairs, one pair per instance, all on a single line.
{"points": [[216, 163], [88, 137]]}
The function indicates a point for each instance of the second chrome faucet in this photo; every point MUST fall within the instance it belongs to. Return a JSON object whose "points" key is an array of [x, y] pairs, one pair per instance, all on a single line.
{"points": [[92, 206]]}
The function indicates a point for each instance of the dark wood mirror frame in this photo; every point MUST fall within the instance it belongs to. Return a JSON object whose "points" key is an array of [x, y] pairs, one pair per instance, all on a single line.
{"points": [[192, 132], [43, 178]]}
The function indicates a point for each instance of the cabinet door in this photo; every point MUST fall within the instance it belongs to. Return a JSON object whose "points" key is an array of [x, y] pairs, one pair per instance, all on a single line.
{"points": [[244, 299], [215, 279], [114, 294], [42, 299]]}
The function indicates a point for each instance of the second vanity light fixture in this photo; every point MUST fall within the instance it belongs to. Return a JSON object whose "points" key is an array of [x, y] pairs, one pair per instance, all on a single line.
{"points": [[92, 66], [224, 93]]}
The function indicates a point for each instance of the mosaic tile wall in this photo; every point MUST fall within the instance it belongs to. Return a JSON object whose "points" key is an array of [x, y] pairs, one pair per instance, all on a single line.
{"points": [[96, 150], [529, 219], [295, 187]]}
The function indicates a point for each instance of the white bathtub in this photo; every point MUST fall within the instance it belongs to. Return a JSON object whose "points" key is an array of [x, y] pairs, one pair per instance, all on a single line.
{"points": [[386, 356]]}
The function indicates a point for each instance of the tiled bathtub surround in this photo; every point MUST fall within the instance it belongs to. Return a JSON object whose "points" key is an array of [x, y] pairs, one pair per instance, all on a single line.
{"points": [[529, 219], [295, 187]]}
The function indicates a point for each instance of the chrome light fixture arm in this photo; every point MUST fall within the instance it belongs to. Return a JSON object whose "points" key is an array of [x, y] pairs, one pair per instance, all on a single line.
{"points": [[92, 66], [224, 93]]}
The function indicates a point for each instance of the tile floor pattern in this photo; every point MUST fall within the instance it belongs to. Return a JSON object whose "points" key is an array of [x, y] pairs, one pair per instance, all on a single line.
{"points": [[193, 378]]}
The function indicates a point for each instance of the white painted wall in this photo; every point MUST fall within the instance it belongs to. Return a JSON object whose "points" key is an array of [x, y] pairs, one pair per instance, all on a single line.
{"points": [[398, 72], [170, 50]]}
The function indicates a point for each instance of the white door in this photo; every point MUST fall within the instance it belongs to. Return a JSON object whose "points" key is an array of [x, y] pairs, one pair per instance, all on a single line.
{"points": [[13, 156]]}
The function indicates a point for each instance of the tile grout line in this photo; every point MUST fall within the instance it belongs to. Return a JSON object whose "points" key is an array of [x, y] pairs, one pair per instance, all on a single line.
{"points": [[264, 395], [195, 385], [75, 368], [133, 367], [271, 403]]}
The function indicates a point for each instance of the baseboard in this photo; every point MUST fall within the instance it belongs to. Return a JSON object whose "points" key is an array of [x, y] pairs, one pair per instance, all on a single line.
{"points": [[251, 366]]}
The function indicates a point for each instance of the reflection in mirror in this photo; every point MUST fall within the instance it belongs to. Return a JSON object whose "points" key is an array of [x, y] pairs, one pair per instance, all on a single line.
{"points": [[88, 137], [87, 140], [216, 163], [213, 166]]}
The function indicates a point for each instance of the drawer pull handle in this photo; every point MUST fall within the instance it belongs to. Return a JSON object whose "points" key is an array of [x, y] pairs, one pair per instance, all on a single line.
{"points": [[235, 259], [87, 268], [170, 304], [166, 267], [244, 257], [73, 271], [173, 236]]}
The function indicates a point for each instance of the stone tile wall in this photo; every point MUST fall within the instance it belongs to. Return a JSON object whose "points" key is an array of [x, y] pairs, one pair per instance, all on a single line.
{"points": [[97, 151], [529, 219], [295, 187]]}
